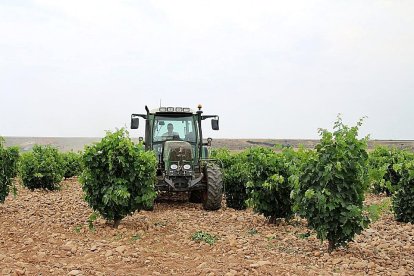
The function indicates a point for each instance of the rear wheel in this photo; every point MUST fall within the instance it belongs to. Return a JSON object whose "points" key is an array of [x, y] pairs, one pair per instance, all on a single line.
{"points": [[213, 196]]}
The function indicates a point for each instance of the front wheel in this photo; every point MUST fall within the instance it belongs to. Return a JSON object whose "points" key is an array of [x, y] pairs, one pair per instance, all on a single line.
{"points": [[213, 195]]}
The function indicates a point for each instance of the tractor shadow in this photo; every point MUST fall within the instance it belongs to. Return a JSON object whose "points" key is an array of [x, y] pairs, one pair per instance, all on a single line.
{"points": [[174, 200]]}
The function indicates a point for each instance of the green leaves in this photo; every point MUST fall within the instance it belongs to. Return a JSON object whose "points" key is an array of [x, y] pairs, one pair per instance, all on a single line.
{"points": [[403, 198], [235, 176], [118, 177], [42, 168], [331, 186], [309, 194], [384, 164], [8, 169], [91, 220], [270, 183], [201, 236], [375, 210], [262, 179], [72, 164]]}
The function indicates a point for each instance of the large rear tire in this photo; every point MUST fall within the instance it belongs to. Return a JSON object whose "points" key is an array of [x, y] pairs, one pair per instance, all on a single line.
{"points": [[213, 196]]}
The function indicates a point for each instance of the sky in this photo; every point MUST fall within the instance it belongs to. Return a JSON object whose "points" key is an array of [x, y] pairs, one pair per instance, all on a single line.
{"points": [[269, 69]]}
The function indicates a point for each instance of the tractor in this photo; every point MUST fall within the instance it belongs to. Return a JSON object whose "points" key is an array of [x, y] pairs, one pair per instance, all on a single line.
{"points": [[176, 137]]}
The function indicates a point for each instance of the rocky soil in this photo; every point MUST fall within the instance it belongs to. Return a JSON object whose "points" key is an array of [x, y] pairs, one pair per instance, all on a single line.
{"points": [[47, 233]]}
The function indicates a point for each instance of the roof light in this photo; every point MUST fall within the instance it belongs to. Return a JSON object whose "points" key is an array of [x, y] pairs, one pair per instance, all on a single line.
{"points": [[186, 109], [163, 109], [170, 109], [179, 109]]}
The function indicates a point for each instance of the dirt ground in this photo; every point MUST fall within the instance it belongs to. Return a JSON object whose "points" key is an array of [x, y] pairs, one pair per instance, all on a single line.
{"points": [[46, 233]]}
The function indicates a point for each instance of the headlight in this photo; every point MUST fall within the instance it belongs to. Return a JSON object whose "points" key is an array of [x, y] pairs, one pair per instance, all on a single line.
{"points": [[186, 167], [174, 166]]}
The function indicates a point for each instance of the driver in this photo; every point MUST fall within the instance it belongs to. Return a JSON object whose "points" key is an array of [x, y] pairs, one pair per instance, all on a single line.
{"points": [[170, 132]]}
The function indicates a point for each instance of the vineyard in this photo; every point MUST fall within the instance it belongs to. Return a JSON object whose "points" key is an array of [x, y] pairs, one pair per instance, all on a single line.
{"points": [[334, 209]]}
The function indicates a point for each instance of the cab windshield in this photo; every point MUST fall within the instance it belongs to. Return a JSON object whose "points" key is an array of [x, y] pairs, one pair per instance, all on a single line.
{"points": [[174, 128]]}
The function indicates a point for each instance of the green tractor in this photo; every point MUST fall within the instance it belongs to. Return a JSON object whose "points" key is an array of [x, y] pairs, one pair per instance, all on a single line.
{"points": [[176, 137]]}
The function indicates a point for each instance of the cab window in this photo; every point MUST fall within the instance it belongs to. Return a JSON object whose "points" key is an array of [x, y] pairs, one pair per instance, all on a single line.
{"points": [[174, 128]]}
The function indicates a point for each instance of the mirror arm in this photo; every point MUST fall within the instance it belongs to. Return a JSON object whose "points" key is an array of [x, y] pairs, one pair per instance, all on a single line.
{"points": [[139, 115], [209, 116]]}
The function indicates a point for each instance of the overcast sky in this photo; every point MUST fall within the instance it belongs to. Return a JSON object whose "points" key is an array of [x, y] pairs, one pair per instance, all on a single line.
{"points": [[270, 69]]}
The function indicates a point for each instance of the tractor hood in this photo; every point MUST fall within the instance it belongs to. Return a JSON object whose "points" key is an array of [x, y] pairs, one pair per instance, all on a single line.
{"points": [[178, 151], [178, 158]]}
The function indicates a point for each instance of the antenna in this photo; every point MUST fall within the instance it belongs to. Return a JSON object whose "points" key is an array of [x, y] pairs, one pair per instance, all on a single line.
{"points": [[160, 102]]}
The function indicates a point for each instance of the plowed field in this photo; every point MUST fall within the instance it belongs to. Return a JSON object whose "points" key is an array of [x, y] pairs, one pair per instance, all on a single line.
{"points": [[46, 233]]}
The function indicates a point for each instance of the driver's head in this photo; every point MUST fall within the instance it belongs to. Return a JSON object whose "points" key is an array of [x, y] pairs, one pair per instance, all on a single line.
{"points": [[170, 127]]}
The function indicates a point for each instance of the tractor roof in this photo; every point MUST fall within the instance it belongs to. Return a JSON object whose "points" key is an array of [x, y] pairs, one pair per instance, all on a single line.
{"points": [[171, 109]]}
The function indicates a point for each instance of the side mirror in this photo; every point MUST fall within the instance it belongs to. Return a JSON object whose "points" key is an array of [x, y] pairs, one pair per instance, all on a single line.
{"points": [[215, 124], [134, 122]]}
